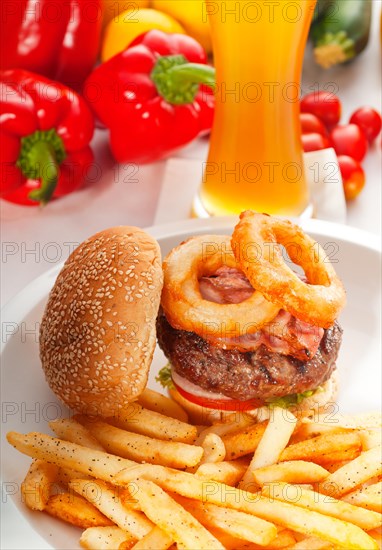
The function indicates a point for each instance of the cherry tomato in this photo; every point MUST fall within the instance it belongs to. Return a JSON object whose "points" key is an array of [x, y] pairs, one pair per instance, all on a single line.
{"points": [[324, 105], [220, 404], [369, 121], [353, 176], [349, 140], [310, 124], [314, 142]]}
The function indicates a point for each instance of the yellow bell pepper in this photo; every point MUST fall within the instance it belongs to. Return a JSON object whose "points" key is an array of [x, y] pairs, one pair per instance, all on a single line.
{"points": [[122, 30], [192, 15], [112, 8]]}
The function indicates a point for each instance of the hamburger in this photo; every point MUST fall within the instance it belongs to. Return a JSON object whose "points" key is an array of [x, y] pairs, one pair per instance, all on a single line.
{"points": [[97, 335], [287, 361], [230, 346]]}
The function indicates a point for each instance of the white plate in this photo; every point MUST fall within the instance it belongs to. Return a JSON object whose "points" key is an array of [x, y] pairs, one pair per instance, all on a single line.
{"points": [[28, 404]]}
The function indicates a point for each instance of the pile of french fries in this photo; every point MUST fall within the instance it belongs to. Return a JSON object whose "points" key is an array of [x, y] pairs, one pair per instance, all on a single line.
{"points": [[150, 480]]}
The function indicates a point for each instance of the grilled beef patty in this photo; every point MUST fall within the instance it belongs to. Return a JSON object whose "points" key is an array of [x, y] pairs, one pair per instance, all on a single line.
{"points": [[260, 374]]}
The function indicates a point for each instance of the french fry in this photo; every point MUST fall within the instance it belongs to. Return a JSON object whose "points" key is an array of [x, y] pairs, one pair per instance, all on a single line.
{"points": [[229, 542], [143, 421], [162, 404], [71, 430], [142, 448], [200, 429], [284, 514], [126, 545], [228, 472], [307, 430], [274, 440], [107, 500], [283, 539], [369, 497], [236, 524], [240, 418], [364, 421], [243, 442], [376, 534], [370, 439], [233, 423], [172, 518], [36, 487], [69, 455], [156, 539], [345, 460], [365, 519], [312, 543], [76, 510], [65, 475], [317, 448], [296, 471], [307, 486], [127, 497], [106, 538], [334, 466], [340, 456], [353, 474], [213, 449]]}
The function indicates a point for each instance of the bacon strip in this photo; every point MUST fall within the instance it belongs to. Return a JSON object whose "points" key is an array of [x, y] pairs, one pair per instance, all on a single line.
{"points": [[285, 334]]}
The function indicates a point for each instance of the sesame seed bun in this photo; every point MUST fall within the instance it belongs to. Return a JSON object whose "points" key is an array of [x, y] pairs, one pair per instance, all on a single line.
{"points": [[97, 335]]}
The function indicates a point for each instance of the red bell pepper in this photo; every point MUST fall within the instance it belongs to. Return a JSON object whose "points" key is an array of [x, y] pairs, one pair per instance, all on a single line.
{"points": [[45, 130], [56, 38], [151, 98]]}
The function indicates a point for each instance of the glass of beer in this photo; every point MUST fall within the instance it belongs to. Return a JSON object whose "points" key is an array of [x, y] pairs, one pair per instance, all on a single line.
{"points": [[255, 155]]}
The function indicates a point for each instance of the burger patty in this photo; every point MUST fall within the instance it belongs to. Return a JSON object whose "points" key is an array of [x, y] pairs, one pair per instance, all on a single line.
{"points": [[260, 374]]}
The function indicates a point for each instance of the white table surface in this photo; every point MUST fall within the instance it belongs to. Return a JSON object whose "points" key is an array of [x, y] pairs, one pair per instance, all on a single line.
{"points": [[35, 240]]}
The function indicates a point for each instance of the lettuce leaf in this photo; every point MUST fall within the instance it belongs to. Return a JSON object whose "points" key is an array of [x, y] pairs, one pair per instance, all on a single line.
{"points": [[292, 399], [164, 377]]}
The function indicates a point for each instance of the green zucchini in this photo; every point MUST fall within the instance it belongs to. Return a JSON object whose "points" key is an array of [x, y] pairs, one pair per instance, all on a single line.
{"points": [[342, 33], [320, 9]]}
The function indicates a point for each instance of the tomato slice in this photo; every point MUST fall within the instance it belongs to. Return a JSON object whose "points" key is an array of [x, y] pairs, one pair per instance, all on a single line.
{"points": [[220, 404]]}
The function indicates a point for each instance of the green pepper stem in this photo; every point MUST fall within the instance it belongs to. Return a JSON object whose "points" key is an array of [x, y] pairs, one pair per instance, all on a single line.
{"points": [[40, 156], [48, 171], [195, 73], [178, 81]]}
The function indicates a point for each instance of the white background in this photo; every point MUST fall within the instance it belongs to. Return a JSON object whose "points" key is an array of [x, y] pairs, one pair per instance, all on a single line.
{"points": [[51, 233]]}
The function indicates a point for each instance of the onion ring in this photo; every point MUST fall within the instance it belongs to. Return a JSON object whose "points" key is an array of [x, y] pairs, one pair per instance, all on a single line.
{"points": [[183, 304], [255, 243]]}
